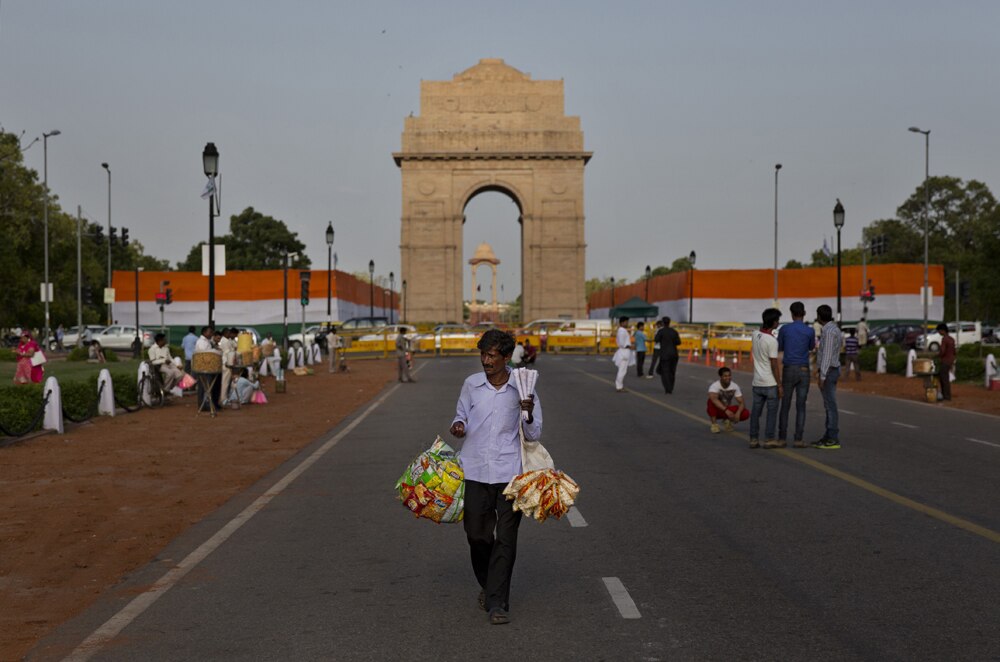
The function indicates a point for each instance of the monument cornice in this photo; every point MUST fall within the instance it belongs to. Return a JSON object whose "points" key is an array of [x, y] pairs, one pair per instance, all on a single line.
{"points": [[399, 157]]}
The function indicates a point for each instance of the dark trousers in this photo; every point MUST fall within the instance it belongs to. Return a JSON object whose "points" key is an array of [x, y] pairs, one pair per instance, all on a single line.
{"points": [[794, 380], [491, 527], [640, 359], [944, 378], [668, 371], [653, 361], [829, 392]]}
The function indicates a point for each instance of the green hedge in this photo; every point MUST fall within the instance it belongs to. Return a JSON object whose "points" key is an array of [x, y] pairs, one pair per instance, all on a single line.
{"points": [[79, 398], [19, 405], [83, 354], [7, 354], [969, 366]]}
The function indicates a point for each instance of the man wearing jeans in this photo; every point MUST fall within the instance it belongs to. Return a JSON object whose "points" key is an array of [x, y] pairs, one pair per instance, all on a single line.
{"points": [[828, 360], [766, 379], [795, 341]]}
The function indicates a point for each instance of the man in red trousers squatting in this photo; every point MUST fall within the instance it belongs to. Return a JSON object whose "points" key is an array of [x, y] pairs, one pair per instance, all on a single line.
{"points": [[487, 417]]}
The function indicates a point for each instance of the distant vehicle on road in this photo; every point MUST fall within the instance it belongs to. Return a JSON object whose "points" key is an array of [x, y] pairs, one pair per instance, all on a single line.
{"points": [[295, 340], [121, 337], [72, 335], [972, 333]]}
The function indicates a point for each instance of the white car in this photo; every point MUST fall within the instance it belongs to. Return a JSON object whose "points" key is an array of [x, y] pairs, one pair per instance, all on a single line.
{"points": [[295, 339], [121, 337], [391, 332], [972, 333], [450, 331], [72, 335]]}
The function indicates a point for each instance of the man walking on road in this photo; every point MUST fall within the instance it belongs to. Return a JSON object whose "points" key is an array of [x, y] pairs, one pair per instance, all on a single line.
{"points": [[623, 356], [656, 351], [488, 416], [828, 360], [402, 360], [946, 356], [766, 379], [668, 339], [640, 348], [796, 341]]}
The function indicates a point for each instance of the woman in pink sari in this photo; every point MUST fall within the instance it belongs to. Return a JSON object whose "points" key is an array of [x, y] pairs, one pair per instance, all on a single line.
{"points": [[27, 373]]}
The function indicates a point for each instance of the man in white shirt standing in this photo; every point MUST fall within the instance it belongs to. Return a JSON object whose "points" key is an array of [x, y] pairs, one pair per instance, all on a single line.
{"points": [[487, 416], [623, 356], [766, 380]]}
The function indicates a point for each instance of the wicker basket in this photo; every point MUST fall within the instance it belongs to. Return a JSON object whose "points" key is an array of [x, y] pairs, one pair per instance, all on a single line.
{"points": [[256, 354], [207, 362], [247, 357]]}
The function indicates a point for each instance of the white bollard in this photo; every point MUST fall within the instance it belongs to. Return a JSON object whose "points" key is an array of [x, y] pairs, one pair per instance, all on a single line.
{"points": [[308, 355], [910, 358], [106, 405], [263, 367], [317, 354], [300, 357], [144, 384], [991, 369], [883, 365], [53, 408], [291, 359]]}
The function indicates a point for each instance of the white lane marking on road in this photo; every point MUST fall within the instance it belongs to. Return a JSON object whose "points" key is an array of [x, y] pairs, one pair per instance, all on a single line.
{"points": [[980, 441], [575, 518], [848, 411], [904, 425], [621, 598], [579, 359], [114, 625]]}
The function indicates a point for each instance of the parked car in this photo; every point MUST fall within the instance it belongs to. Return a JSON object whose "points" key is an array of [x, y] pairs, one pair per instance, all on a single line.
{"points": [[452, 331], [295, 339], [972, 333], [355, 323], [391, 331], [72, 335], [121, 337], [896, 334]]}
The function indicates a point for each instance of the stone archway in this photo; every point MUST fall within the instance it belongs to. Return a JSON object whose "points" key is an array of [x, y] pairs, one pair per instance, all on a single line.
{"points": [[492, 128]]}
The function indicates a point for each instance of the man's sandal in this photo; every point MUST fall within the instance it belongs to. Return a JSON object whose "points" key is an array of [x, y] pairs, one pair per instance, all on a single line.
{"points": [[499, 616]]}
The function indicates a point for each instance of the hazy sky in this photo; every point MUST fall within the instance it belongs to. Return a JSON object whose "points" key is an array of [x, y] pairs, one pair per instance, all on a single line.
{"points": [[687, 106]]}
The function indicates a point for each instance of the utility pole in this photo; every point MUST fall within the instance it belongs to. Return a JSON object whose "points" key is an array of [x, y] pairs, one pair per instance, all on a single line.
{"points": [[79, 277]]}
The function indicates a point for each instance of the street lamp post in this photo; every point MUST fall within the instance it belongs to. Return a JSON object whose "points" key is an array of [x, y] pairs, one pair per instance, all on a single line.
{"points": [[649, 274], [304, 278], [371, 288], [284, 315], [838, 221], [110, 305], [45, 224], [210, 161], [691, 258], [610, 313], [927, 211], [777, 167], [137, 351], [405, 317], [329, 271], [392, 285]]}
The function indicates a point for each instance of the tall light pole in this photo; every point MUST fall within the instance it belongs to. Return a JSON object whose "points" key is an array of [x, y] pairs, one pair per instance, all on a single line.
{"points": [[110, 311], [649, 274], [45, 241], [838, 222], [392, 285], [777, 167], [405, 317], [284, 315], [612, 296], [137, 352], [927, 211], [329, 271], [210, 161], [691, 258], [371, 288]]}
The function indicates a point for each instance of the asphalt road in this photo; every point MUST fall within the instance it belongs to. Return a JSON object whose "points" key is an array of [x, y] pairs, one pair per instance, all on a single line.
{"points": [[685, 545]]}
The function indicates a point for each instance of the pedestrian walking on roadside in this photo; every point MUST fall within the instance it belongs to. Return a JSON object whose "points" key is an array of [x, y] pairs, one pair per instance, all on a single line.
{"points": [[639, 341], [946, 357], [828, 360], [766, 380], [863, 332], [60, 334], [852, 347], [796, 341], [623, 356], [669, 340], [487, 416], [402, 357], [656, 351], [187, 344]]}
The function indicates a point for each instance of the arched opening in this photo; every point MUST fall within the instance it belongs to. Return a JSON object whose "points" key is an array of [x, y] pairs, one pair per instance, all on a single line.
{"points": [[489, 217]]}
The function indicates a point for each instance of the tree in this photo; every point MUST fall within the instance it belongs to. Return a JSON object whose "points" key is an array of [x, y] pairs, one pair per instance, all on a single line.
{"points": [[592, 285], [793, 264], [255, 242]]}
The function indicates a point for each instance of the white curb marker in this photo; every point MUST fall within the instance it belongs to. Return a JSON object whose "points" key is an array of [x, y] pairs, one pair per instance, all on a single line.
{"points": [[621, 598], [575, 518]]}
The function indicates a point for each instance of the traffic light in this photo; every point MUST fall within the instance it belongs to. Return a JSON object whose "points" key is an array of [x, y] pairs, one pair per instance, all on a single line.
{"points": [[98, 234], [169, 296], [113, 237], [124, 236], [87, 294], [964, 290], [305, 293]]}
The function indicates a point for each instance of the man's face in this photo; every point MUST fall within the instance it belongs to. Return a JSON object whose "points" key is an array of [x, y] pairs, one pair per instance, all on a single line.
{"points": [[493, 361], [726, 379], [161, 342]]}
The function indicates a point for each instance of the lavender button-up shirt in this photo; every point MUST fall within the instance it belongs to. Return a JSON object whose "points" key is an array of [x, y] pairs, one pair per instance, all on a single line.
{"points": [[492, 449]]}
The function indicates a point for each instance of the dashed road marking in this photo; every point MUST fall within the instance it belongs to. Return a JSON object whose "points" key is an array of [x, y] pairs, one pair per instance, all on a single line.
{"points": [[575, 518], [904, 425], [980, 441], [848, 412], [619, 594]]}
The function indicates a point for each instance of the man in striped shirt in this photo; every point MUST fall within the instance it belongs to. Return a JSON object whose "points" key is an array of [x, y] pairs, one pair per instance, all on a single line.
{"points": [[828, 363]]}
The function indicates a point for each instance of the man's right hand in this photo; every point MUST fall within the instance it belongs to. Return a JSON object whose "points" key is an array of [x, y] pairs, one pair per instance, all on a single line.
{"points": [[458, 429]]}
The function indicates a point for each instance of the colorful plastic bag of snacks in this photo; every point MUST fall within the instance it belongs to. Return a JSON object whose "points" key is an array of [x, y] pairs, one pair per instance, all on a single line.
{"points": [[433, 485], [542, 494]]}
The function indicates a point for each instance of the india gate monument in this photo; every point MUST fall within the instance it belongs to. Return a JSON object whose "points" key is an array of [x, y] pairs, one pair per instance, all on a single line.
{"points": [[492, 128]]}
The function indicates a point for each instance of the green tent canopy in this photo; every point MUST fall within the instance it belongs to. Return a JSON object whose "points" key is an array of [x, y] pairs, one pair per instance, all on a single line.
{"points": [[635, 308]]}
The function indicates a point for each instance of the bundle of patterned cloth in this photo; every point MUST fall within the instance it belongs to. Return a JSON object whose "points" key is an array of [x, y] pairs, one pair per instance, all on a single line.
{"points": [[542, 493], [433, 486]]}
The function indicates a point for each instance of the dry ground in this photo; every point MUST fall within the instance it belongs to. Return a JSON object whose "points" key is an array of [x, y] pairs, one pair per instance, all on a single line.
{"points": [[81, 510]]}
